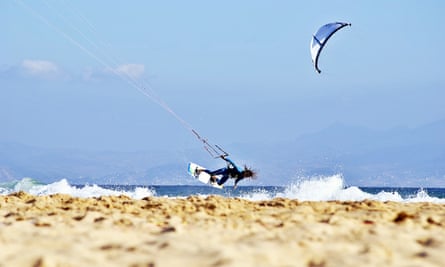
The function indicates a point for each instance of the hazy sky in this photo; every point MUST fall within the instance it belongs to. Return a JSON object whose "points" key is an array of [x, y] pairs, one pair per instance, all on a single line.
{"points": [[236, 71]]}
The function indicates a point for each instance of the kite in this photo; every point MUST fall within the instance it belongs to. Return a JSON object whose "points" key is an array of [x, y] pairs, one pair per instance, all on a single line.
{"points": [[320, 38]]}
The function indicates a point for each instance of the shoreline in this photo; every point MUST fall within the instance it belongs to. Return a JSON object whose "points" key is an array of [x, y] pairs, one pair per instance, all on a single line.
{"points": [[217, 231]]}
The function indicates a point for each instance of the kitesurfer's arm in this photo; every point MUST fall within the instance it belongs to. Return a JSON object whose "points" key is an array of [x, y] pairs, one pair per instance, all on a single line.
{"points": [[236, 182], [231, 163]]}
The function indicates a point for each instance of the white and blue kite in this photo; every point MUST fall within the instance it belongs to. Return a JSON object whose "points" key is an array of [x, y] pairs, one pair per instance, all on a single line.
{"points": [[320, 38]]}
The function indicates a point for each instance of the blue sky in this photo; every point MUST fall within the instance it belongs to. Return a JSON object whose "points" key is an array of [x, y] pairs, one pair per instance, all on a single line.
{"points": [[236, 71]]}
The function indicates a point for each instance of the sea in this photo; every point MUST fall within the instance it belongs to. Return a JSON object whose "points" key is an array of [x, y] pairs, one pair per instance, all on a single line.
{"points": [[320, 188]]}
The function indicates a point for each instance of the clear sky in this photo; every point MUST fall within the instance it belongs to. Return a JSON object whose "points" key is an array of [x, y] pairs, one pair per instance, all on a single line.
{"points": [[236, 71]]}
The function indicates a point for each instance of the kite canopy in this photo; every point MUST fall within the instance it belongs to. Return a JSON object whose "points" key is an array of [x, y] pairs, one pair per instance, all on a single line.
{"points": [[320, 38]]}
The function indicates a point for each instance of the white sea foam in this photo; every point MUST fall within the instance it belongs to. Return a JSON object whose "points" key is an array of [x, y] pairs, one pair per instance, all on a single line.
{"points": [[260, 194], [64, 187], [318, 188], [325, 188], [422, 196]]}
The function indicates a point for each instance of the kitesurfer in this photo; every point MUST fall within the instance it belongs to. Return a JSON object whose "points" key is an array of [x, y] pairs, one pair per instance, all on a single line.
{"points": [[231, 171]]}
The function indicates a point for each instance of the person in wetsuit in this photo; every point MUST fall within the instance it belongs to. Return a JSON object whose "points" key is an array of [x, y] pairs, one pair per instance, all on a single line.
{"points": [[231, 171]]}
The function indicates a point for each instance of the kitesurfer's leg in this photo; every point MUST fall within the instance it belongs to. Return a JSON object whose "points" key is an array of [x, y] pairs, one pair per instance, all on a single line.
{"points": [[218, 172], [198, 170], [223, 179], [213, 175]]}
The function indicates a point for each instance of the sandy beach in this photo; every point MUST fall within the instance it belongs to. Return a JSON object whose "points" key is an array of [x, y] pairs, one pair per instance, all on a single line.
{"points": [[61, 230]]}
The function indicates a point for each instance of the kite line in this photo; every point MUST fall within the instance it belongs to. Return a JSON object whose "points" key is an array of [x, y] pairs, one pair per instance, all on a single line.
{"points": [[110, 62]]}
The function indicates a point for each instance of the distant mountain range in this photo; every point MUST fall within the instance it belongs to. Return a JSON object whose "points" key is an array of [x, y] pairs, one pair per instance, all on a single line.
{"points": [[397, 157], [400, 156]]}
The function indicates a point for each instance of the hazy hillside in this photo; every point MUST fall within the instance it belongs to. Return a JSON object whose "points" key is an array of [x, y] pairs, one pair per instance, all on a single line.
{"points": [[398, 157]]}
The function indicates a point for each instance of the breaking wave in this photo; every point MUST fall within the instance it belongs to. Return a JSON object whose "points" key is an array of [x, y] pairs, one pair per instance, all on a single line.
{"points": [[319, 188], [326, 188], [33, 187]]}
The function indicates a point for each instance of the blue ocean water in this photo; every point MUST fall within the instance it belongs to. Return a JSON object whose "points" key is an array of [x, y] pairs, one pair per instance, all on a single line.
{"points": [[310, 189]]}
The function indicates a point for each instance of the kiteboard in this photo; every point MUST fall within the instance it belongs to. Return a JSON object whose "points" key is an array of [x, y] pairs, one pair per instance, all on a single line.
{"points": [[198, 173]]}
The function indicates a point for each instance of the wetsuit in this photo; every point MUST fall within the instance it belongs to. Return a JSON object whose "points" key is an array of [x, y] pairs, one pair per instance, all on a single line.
{"points": [[231, 171]]}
